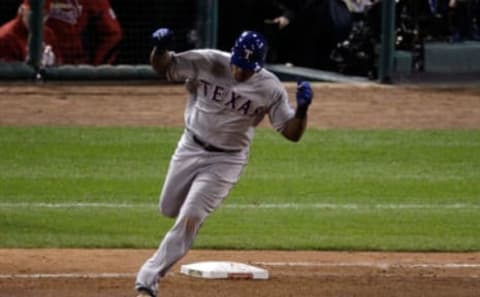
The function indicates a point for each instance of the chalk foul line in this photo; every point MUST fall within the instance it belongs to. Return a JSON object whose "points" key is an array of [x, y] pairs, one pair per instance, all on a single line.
{"points": [[381, 265], [376, 265], [345, 206], [66, 275]]}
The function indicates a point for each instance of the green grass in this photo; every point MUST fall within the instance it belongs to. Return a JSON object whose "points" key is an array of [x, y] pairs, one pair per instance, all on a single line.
{"points": [[335, 190]]}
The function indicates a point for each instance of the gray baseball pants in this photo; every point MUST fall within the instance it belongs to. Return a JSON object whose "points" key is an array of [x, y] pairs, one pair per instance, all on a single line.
{"points": [[196, 184]]}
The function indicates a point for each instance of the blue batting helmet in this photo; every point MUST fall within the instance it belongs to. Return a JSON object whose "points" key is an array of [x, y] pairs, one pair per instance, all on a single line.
{"points": [[249, 51]]}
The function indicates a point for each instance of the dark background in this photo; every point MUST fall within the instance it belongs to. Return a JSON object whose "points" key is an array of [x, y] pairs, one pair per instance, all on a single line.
{"points": [[140, 18], [8, 9]]}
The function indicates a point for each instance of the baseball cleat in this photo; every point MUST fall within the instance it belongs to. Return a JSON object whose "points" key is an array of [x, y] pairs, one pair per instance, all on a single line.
{"points": [[145, 293]]}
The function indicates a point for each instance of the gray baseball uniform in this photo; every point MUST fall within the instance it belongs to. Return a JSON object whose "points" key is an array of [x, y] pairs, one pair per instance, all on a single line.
{"points": [[220, 118]]}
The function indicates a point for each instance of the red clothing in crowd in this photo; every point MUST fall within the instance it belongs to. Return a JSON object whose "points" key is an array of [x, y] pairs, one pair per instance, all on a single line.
{"points": [[14, 41], [72, 19]]}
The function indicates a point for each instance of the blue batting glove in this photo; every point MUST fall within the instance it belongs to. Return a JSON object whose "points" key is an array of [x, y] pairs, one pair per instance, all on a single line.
{"points": [[304, 94], [162, 38]]}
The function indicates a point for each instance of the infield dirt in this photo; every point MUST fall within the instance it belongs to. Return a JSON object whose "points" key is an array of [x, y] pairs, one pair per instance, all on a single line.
{"points": [[92, 273]]}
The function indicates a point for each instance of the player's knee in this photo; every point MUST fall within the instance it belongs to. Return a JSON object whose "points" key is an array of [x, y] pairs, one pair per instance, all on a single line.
{"points": [[168, 211]]}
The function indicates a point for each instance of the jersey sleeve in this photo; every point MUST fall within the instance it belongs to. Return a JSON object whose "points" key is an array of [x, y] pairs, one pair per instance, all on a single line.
{"points": [[187, 64], [280, 111]]}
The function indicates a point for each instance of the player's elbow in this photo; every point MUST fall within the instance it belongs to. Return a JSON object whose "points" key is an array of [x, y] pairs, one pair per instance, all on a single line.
{"points": [[294, 129], [160, 62], [293, 137], [168, 211]]}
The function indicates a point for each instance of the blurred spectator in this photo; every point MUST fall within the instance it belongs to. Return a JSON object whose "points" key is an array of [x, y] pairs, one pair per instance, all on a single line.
{"points": [[88, 31], [278, 30], [319, 26], [356, 55], [139, 21], [476, 24], [270, 17], [302, 32], [463, 20], [358, 6], [14, 38], [7, 9], [445, 20]]}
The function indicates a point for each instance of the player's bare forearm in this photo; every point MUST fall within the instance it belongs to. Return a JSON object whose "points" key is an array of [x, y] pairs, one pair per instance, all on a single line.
{"points": [[295, 128], [298, 123], [160, 61]]}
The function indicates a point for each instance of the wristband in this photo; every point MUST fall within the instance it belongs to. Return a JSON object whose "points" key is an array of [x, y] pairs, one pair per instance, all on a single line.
{"points": [[301, 112]]}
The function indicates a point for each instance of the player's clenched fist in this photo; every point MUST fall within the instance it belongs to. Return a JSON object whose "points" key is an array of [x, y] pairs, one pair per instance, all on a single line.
{"points": [[162, 38], [304, 94]]}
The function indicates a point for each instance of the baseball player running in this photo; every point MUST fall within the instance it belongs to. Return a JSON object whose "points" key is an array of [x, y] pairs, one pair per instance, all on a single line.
{"points": [[228, 95]]}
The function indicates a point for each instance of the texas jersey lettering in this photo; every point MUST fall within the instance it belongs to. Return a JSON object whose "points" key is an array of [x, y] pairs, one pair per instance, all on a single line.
{"points": [[219, 103]]}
